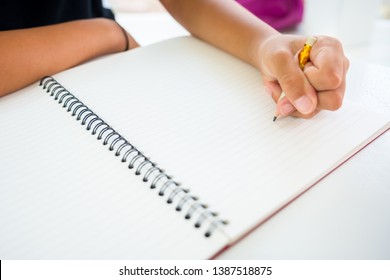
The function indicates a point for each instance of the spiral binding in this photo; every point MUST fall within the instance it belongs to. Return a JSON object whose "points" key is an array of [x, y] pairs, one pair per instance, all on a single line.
{"points": [[142, 165]]}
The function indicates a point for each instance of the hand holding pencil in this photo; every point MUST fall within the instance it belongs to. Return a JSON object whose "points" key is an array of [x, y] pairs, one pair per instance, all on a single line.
{"points": [[303, 58], [303, 88]]}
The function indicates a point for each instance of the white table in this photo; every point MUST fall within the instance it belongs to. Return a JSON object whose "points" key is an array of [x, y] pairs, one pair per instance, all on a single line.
{"points": [[346, 215]]}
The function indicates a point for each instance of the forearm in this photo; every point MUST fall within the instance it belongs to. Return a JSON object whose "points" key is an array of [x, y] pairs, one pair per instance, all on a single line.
{"points": [[28, 54], [224, 24]]}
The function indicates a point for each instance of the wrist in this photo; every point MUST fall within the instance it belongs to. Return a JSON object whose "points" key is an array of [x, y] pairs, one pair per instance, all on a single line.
{"points": [[260, 46], [128, 41], [113, 37], [125, 37]]}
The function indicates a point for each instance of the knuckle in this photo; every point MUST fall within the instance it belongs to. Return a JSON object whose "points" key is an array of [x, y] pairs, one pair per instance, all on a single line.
{"points": [[334, 42], [281, 56], [334, 78], [346, 62]]}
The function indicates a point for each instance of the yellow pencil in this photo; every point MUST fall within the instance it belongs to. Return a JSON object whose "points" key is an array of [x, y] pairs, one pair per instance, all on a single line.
{"points": [[303, 58]]}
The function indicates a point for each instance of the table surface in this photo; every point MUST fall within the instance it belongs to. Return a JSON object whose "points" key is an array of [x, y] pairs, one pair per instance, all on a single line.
{"points": [[346, 215]]}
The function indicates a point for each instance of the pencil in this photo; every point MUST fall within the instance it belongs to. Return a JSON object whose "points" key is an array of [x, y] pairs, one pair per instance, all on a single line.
{"points": [[303, 58]]}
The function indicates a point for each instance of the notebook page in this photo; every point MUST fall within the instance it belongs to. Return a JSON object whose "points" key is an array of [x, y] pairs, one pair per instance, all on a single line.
{"points": [[63, 195], [204, 117]]}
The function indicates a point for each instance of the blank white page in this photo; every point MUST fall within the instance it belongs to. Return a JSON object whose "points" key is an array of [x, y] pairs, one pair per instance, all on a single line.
{"points": [[63, 195], [203, 116]]}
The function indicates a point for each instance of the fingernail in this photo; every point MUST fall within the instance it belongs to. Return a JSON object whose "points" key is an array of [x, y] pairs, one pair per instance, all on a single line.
{"points": [[303, 104], [286, 109], [268, 91]]}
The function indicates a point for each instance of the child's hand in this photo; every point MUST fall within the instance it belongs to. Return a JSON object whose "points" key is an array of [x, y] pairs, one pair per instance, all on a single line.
{"points": [[321, 84]]}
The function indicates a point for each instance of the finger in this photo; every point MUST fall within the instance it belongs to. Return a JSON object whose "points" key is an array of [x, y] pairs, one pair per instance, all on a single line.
{"points": [[284, 107], [333, 99], [327, 63], [327, 100], [273, 89], [297, 88], [330, 100]]}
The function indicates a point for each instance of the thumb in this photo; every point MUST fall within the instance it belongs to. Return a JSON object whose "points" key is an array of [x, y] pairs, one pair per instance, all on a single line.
{"points": [[296, 86]]}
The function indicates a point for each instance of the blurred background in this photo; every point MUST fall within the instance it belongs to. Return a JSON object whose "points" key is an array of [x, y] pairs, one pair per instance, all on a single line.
{"points": [[363, 26]]}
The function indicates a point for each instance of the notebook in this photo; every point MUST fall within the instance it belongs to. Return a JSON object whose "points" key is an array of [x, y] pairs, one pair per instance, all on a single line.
{"points": [[163, 152]]}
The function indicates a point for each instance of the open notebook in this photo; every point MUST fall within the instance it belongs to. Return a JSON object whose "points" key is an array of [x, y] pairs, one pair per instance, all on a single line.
{"points": [[188, 161]]}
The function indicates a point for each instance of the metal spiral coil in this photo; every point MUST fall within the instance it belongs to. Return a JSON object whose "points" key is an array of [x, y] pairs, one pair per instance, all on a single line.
{"points": [[136, 160]]}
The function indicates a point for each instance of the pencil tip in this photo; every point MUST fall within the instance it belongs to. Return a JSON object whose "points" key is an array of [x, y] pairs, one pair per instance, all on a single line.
{"points": [[274, 119]]}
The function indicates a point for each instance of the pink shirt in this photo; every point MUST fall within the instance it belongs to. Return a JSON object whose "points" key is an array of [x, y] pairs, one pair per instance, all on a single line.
{"points": [[280, 14]]}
